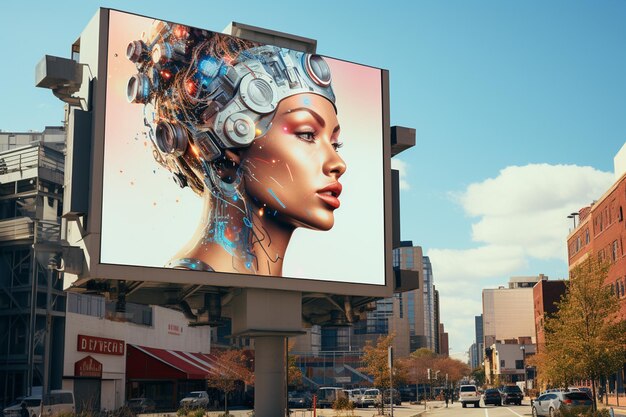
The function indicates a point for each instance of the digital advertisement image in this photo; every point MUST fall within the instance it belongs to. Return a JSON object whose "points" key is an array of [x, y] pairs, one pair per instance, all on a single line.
{"points": [[226, 155]]}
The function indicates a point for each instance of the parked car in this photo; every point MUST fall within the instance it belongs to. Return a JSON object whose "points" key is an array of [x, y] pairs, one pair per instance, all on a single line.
{"points": [[195, 399], [550, 403], [407, 394], [33, 405], [57, 402], [468, 394], [512, 394], [141, 405], [396, 397], [354, 395], [587, 391], [492, 396], [299, 399], [370, 397]]}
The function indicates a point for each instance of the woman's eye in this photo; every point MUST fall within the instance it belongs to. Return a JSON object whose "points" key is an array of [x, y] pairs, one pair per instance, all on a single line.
{"points": [[337, 145], [307, 136]]}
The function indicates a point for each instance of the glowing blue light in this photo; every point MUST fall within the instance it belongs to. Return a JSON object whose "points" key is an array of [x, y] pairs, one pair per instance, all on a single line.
{"points": [[276, 198], [209, 67], [235, 198], [306, 101]]}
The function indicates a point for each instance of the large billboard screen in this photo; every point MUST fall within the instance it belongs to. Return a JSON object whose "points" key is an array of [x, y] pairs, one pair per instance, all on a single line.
{"points": [[226, 156]]}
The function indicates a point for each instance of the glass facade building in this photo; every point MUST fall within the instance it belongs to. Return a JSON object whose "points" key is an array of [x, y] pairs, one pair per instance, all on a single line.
{"points": [[429, 304]]}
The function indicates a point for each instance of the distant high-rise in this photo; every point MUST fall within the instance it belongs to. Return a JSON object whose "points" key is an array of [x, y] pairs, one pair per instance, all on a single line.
{"points": [[429, 304], [478, 346]]}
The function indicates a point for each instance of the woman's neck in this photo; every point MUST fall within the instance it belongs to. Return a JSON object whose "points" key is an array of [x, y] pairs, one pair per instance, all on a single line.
{"points": [[233, 237]]}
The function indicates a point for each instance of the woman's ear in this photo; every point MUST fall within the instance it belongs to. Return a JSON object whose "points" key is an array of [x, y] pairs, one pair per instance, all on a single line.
{"points": [[227, 165]]}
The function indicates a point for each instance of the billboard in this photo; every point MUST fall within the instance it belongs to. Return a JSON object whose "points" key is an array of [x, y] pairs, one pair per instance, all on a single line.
{"points": [[231, 162]]}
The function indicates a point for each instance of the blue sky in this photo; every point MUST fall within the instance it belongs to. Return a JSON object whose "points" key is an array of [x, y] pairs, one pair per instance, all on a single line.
{"points": [[510, 100]]}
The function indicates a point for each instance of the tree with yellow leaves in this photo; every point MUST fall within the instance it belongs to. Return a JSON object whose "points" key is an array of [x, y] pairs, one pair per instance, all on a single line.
{"points": [[585, 338]]}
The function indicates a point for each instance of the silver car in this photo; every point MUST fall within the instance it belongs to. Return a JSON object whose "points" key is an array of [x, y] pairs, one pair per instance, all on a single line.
{"points": [[195, 399], [549, 403]]}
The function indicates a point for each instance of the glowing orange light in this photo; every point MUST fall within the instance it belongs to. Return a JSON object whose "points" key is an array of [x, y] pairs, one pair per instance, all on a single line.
{"points": [[166, 74], [194, 150], [258, 132], [261, 211], [191, 87]]}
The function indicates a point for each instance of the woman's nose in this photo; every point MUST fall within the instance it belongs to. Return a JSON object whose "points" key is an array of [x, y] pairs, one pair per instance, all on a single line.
{"points": [[334, 164]]}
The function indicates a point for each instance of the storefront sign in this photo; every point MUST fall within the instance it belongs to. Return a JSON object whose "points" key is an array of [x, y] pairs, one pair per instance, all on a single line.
{"points": [[101, 345], [174, 329], [89, 367]]}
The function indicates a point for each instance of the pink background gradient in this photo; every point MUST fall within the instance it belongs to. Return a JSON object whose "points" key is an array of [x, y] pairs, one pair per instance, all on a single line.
{"points": [[146, 217]]}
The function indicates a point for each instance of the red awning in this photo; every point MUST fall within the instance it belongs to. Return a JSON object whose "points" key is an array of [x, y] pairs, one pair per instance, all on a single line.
{"points": [[194, 365]]}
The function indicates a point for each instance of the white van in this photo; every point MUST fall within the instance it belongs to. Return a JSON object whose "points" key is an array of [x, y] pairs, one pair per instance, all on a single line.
{"points": [[326, 396], [33, 405], [468, 394], [57, 402]]}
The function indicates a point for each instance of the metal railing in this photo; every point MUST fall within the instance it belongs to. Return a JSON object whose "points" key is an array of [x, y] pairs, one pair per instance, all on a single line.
{"points": [[29, 157], [25, 228]]}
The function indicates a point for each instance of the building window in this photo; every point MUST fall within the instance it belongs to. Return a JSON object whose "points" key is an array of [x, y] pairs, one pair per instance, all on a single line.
{"points": [[613, 289], [587, 236], [519, 364], [502, 363], [614, 251], [621, 285]]}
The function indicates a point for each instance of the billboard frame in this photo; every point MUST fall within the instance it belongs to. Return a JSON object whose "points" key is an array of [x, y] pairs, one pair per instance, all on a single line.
{"points": [[97, 34]]}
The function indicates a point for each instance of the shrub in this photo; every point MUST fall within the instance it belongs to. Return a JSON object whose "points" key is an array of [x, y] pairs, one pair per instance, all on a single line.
{"points": [[342, 403], [588, 412], [200, 412]]}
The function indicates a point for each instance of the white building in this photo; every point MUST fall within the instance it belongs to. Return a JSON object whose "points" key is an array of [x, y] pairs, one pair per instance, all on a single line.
{"points": [[505, 363], [98, 340], [508, 313]]}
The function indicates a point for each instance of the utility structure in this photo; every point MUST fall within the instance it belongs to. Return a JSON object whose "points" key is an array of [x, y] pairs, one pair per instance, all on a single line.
{"points": [[32, 299], [265, 309]]}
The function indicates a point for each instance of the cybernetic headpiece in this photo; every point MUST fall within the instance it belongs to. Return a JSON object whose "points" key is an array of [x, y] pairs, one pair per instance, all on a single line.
{"points": [[213, 91]]}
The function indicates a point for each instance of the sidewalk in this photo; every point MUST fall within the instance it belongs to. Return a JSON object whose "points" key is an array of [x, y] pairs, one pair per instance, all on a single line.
{"points": [[404, 410]]}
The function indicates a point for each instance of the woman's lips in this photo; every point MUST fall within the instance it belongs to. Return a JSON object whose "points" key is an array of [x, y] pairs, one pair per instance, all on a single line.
{"points": [[330, 194]]}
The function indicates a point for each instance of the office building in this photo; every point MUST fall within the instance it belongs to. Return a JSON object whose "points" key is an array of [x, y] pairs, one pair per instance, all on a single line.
{"points": [[508, 312], [429, 305]]}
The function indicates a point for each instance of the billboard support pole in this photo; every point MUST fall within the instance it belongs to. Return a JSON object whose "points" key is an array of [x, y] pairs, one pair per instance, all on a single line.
{"points": [[269, 376], [269, 317]]}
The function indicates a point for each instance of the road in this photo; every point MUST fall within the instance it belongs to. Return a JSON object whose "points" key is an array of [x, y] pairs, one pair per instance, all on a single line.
{"points": [[524, 410], [434, 409]]}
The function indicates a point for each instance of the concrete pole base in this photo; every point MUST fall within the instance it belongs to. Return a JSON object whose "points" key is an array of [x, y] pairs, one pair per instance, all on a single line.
{"points": [[269, 376]]}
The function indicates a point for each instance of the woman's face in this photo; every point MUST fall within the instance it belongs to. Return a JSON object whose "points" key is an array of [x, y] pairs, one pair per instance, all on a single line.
{"points": [[293, 171]]}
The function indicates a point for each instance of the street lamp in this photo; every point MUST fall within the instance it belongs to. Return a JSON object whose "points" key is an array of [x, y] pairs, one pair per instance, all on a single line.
{"points": [[573, 216], [523, 348]]}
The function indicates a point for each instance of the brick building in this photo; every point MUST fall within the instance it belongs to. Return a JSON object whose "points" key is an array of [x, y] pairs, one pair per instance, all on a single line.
{"points": [[601, 229], [545, 296]]}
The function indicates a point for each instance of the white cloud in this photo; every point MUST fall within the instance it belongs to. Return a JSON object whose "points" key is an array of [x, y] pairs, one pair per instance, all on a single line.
{"points": [[520, 215], [527, 206], [403, 168]]}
